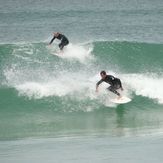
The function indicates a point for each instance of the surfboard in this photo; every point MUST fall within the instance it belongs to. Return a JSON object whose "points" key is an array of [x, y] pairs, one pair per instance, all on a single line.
{"points": [[55, 51], [122, 100], [59, 54]]}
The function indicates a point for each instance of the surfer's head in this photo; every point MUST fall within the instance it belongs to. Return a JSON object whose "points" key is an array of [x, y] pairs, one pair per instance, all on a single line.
{"points": [[103, 74], [56, 34]]}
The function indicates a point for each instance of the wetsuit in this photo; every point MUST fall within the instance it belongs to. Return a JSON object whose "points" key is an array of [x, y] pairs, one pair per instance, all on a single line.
{"points": [[64, 40], [115, 83]]}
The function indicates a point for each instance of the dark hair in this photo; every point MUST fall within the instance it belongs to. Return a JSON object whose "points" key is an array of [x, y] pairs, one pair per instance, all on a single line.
{"points": [[102, 73]]}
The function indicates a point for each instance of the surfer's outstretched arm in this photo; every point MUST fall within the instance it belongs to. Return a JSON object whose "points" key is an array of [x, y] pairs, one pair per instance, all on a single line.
{"points": [[96, 88], [52, 40], [98, 83]]}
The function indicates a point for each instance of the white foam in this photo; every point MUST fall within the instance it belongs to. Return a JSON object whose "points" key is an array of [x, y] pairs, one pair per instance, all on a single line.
{"points": [[60, 86], [39, 90], [81, 53], [147, 85], [140, 84], [79, 82]]}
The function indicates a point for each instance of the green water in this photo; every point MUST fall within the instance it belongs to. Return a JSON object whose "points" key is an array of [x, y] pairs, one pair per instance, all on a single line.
{"points": [[43, 95]]}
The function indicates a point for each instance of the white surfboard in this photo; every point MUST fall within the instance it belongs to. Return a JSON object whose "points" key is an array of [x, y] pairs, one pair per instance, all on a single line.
{"points": [[122, 100], [55, 51], [58, 53]]}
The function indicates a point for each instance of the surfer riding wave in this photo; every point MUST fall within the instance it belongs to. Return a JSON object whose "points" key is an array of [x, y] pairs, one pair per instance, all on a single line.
{"points": [[63, 38], [115, 83]]}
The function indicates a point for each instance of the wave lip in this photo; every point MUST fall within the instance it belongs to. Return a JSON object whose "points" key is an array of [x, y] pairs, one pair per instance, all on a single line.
{"points": [[34, 72], [146, 85]]}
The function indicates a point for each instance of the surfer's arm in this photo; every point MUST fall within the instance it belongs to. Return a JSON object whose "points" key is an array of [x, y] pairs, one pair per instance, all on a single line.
{"points": [[98, 83], [52, 40]]}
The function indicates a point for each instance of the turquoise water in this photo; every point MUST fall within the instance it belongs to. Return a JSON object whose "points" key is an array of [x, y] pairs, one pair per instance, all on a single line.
{"points": [[48, 104]]}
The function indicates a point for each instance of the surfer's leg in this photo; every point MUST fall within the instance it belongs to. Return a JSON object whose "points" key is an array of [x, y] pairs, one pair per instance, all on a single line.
{"points": [[112, 89], [61, 46]]}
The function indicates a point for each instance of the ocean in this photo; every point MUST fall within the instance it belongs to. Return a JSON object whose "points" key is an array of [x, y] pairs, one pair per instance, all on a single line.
{"points": [[49, 110]]}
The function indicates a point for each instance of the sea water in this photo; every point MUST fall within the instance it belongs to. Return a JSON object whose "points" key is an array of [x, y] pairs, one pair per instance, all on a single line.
{"points": [[49, 111]]}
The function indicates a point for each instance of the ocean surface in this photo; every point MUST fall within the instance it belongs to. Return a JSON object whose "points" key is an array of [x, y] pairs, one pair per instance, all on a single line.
{"points": [[49, 111]]}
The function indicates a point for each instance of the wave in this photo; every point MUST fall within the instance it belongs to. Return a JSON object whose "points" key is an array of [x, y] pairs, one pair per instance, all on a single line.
{"points": [[43, 94], [35, 72], [130, 56]]}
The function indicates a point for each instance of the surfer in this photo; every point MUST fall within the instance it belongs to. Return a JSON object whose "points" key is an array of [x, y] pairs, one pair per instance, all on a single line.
{"points": [[59, 36], [115, 83]]}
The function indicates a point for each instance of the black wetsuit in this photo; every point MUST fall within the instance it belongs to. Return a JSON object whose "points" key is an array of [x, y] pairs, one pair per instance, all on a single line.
{"points": [[115, 83], [64, 40]]}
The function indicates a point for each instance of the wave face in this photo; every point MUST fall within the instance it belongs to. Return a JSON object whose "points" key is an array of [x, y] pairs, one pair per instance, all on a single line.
{"points": [[43, 94]]}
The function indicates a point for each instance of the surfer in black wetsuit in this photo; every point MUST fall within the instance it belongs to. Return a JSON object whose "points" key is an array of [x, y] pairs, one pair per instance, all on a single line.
{"points": [[115, 83], [59, 36]]}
